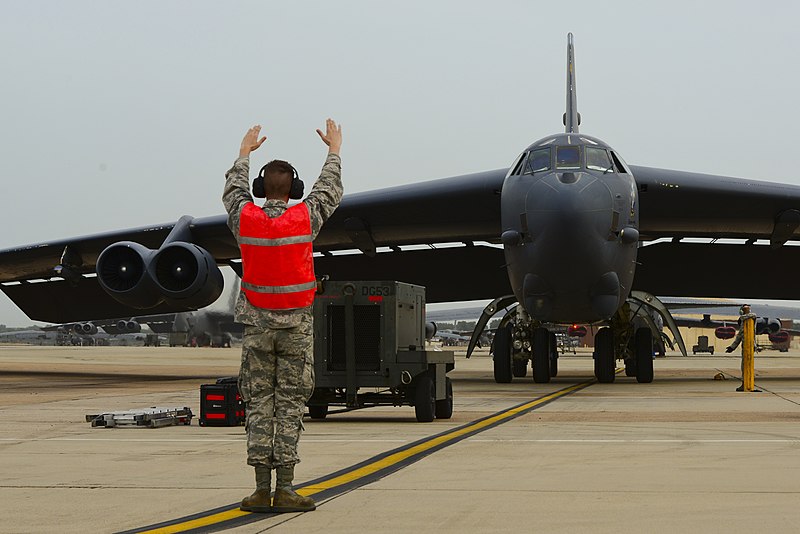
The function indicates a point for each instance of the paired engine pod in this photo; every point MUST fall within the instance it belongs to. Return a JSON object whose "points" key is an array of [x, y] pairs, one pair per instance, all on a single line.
{"points": [[765, 325], [85, 329], [129, 326]]}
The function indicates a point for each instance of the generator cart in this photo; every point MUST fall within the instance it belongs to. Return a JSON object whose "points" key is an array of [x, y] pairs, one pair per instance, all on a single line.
{"points": [[369, 350]]}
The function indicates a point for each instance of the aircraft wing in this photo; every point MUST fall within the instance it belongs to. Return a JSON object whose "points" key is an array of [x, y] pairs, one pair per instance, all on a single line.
{"points": [[678, 205], [460, 210]]}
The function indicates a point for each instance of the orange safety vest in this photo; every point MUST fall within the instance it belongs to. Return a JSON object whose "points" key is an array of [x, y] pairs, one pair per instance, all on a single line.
{"points": [[277, 258]]}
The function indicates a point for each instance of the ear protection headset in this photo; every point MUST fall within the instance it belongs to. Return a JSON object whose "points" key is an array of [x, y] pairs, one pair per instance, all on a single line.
{"points": [[295, 190]]}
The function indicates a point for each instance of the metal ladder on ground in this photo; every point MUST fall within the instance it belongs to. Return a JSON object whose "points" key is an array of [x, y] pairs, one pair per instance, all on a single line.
{"points": [[152, 417]]}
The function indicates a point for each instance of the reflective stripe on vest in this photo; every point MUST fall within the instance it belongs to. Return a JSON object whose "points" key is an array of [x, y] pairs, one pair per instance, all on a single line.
{"points": [[277, 258]]}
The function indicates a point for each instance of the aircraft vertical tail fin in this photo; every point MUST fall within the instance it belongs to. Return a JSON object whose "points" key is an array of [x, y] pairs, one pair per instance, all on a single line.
{"points": [[571, 118]]}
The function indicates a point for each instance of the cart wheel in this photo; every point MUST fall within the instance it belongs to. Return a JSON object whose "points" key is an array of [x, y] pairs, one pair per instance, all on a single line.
{"points": [[318, 411], [444, 407], [424, 398]]}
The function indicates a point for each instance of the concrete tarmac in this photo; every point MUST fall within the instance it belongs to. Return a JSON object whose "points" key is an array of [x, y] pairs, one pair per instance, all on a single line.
{"points": [[685, 453]]}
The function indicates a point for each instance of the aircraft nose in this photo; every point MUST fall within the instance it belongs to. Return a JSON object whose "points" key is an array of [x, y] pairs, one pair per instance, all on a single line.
{"points": [[569, 216]]}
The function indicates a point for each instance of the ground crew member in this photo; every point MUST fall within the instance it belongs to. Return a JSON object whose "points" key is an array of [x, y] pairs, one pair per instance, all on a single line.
{"points": [[276, 377], [744, 313]]}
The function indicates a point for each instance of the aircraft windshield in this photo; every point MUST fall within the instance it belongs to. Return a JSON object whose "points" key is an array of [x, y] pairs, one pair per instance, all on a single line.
{"points": [[597, 159], [538, 160], [568, 157]]}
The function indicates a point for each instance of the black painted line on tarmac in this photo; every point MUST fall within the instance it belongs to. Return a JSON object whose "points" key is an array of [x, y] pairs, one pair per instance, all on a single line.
{"points": [[357, 475]]}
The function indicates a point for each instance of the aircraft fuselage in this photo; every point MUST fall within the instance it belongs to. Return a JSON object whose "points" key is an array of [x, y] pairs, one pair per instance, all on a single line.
{"points": [[571, 198]]}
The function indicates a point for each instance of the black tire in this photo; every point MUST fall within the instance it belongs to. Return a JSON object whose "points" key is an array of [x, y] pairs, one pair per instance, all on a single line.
{"points": [[502, 355], [630, 367], [644, 355], [540, 344], [318, 411], [553, 355], [444, 407], [604, 360], [519, 368], [424, 398]]}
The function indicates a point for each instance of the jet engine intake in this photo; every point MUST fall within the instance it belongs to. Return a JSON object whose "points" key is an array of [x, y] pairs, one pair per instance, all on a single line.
{"points": [[122, 273]]}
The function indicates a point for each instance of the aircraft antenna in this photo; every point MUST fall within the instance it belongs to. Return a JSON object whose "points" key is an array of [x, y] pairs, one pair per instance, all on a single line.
{"points": [[571, 117]]}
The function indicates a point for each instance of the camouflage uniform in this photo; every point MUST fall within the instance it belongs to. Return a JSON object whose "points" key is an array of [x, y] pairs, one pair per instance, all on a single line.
{"points": [[740, 331], [276, 377]]}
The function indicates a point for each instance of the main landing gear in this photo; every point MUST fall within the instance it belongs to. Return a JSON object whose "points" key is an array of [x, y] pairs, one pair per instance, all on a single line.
{"points": [[636, 350]]}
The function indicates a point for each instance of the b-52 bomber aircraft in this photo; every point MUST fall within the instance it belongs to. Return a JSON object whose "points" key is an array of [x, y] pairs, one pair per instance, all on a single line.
{"points": [[569, 231]]}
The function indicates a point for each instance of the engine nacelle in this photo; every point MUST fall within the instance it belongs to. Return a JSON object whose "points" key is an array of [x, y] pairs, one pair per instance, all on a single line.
{"points": [[576, 330], [724, 332], [84, 329], [765, 325], [430, 330], [132, 327], [179, 273]]}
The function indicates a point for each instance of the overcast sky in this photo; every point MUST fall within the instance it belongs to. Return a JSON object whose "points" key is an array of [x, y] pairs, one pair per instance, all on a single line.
{"points": [[116, 115]]}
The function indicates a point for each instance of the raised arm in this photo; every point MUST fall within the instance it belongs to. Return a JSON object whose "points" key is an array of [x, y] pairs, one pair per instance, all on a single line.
{"points": [[327, 191], [237, 179]]}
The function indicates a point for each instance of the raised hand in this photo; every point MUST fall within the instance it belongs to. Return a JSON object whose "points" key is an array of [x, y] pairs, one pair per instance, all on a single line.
{"points": [[332, 136], [251, 141]]}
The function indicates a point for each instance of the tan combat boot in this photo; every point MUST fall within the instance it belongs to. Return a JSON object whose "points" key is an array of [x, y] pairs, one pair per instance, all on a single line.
{"points": [[286, 499], [259, 501]]}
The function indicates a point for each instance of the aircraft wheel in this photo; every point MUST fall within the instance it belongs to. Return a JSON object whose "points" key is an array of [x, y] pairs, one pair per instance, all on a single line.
{"points": [[644, 355], [553, 355], [444, 407], [425, 398], [318, 411], [502, 355], [541, 355], [630, 367], [519, 368], [604, 356]]}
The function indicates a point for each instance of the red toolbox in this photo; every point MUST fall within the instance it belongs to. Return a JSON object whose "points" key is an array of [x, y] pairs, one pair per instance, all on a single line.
{"points": [[221, 404]]}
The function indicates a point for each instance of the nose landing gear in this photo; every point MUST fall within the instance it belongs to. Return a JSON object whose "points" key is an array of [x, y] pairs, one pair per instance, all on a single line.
{"points": [[517, 340]]}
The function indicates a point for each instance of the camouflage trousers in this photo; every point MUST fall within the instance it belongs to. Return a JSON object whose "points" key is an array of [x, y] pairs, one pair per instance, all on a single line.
{"points": [[276, 378]]}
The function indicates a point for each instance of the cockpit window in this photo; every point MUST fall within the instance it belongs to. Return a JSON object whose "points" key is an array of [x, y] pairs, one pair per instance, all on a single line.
{"points": [[538, 160], [568, 157], [597, 159]]}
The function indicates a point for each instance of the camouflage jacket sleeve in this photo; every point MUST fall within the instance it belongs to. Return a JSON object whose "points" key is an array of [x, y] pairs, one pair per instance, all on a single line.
{"points": [[237, 191], [326, 194]]}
